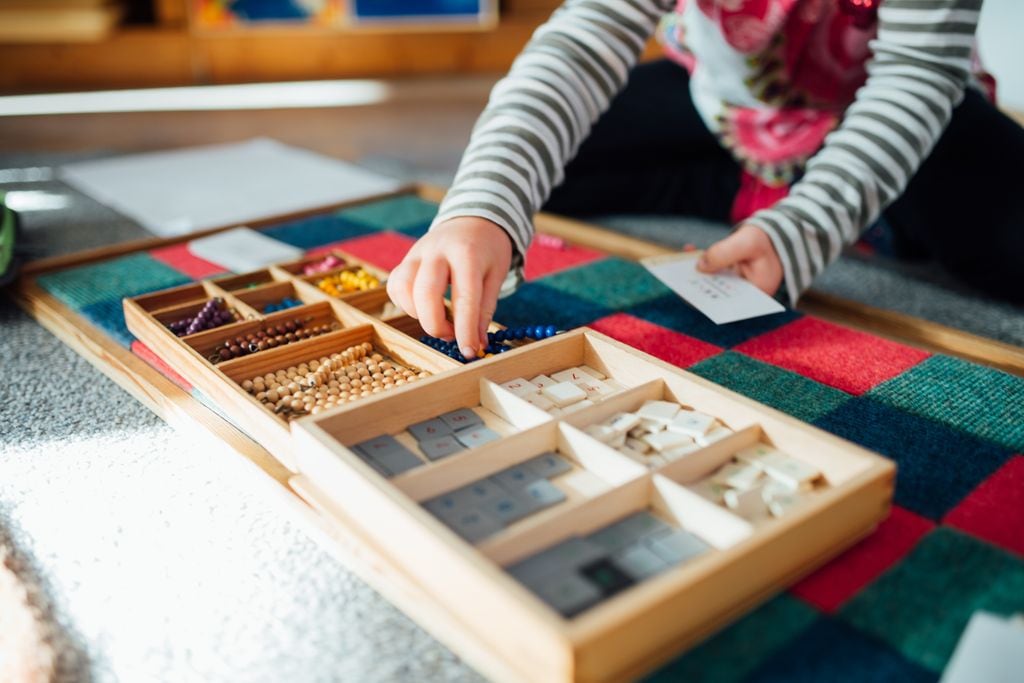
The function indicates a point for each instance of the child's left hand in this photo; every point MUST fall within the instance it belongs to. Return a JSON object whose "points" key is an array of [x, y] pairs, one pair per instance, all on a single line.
{"points": [[750, 251]]}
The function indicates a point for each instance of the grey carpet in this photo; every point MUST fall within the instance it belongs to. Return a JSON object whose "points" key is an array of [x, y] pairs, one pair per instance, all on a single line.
{"points": [[157, 556], [161, 557]]}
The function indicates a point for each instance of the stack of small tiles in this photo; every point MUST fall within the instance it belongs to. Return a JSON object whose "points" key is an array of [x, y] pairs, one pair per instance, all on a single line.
{"points": [[893, 606]]}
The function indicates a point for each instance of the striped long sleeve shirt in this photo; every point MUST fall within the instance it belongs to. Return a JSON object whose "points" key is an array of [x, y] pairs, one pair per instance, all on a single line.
{"points": [[567, 75]]}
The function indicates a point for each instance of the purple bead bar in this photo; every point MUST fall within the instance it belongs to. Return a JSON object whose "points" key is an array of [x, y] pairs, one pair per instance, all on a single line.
{"points": [[211, 315]]}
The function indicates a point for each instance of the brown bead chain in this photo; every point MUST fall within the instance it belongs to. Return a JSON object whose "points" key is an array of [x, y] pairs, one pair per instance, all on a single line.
{"points": [[321, 384], [270, 337]]}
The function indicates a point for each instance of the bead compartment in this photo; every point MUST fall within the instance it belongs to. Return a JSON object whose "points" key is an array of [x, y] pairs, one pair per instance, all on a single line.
{"points": [[172, 314], [259, 297], [335, 379], [387, 344], [298, 268]]}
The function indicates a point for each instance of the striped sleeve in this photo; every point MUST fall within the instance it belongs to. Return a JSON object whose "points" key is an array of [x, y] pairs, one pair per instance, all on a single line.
{"points": [[920, 66], [538, 115]]}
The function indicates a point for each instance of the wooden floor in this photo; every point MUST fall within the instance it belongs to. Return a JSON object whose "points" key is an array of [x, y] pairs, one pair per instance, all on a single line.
{"points": [[427, 123]]}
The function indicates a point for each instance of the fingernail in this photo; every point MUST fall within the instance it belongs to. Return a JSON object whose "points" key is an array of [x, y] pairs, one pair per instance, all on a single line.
{"points": [[467, 351]]}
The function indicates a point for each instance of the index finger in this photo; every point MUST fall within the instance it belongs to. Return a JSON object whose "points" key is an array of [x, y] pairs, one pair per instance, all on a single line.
{"points": [[467, 284]]}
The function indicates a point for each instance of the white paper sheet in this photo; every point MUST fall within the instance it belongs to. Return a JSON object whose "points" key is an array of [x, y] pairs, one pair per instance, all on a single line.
{"points": [[724, 297], [990, 650], [242, 249], [181, 191]]}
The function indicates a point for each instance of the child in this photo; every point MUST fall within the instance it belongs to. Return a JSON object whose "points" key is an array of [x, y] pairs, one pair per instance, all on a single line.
{"points": [[800, 121]]}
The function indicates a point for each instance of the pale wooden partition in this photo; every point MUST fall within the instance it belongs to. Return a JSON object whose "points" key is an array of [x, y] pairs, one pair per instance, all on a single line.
{"points": [[624, 634]]}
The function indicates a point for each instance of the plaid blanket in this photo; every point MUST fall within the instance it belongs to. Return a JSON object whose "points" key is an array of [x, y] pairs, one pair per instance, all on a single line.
{"points": [[892, 607]]}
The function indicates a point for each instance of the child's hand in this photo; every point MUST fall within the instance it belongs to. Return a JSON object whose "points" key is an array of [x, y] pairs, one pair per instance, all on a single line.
{"points": [[750, 250], [474, 254]]}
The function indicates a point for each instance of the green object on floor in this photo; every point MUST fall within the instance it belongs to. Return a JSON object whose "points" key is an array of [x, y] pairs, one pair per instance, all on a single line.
{"points": [[9, 260]]}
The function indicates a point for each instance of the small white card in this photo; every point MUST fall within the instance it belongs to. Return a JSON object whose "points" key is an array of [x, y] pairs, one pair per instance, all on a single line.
{"points": [[991, 650], [724, 297], [243, 249]]}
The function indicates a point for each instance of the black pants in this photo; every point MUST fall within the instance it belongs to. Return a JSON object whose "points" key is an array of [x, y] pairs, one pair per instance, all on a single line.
{"points": [[651, 153]]}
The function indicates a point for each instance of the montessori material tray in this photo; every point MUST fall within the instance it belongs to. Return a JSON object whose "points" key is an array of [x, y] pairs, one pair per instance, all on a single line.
{"points": [[579, 508]]}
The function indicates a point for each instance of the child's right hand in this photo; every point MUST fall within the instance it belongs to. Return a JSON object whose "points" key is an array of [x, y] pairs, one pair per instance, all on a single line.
{"points": [[473, 254]]}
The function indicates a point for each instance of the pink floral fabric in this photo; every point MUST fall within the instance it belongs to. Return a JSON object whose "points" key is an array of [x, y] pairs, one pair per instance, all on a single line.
{"points": [[805, 61]]}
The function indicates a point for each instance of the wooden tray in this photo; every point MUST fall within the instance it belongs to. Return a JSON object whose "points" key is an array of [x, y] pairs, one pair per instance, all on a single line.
{"points": [[486, 608]]}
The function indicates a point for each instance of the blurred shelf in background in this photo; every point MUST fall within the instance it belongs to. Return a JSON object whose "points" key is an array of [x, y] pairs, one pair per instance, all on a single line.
{"points": [[39, 21], [161, 43]]}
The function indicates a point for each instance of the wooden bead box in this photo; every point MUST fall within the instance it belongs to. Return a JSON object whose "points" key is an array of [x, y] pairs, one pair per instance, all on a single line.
{"points": [[581, 559]]}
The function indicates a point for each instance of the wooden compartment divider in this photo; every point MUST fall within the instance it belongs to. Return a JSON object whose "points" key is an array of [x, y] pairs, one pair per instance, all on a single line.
{"points": [[671, 609]]}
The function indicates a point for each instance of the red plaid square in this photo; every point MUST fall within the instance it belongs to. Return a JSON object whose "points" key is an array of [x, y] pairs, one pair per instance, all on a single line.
{"points": [[839, 580], [994, 510], [382, 249], [549, 255], [672, 347], [833, 355], [178, 256]]}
